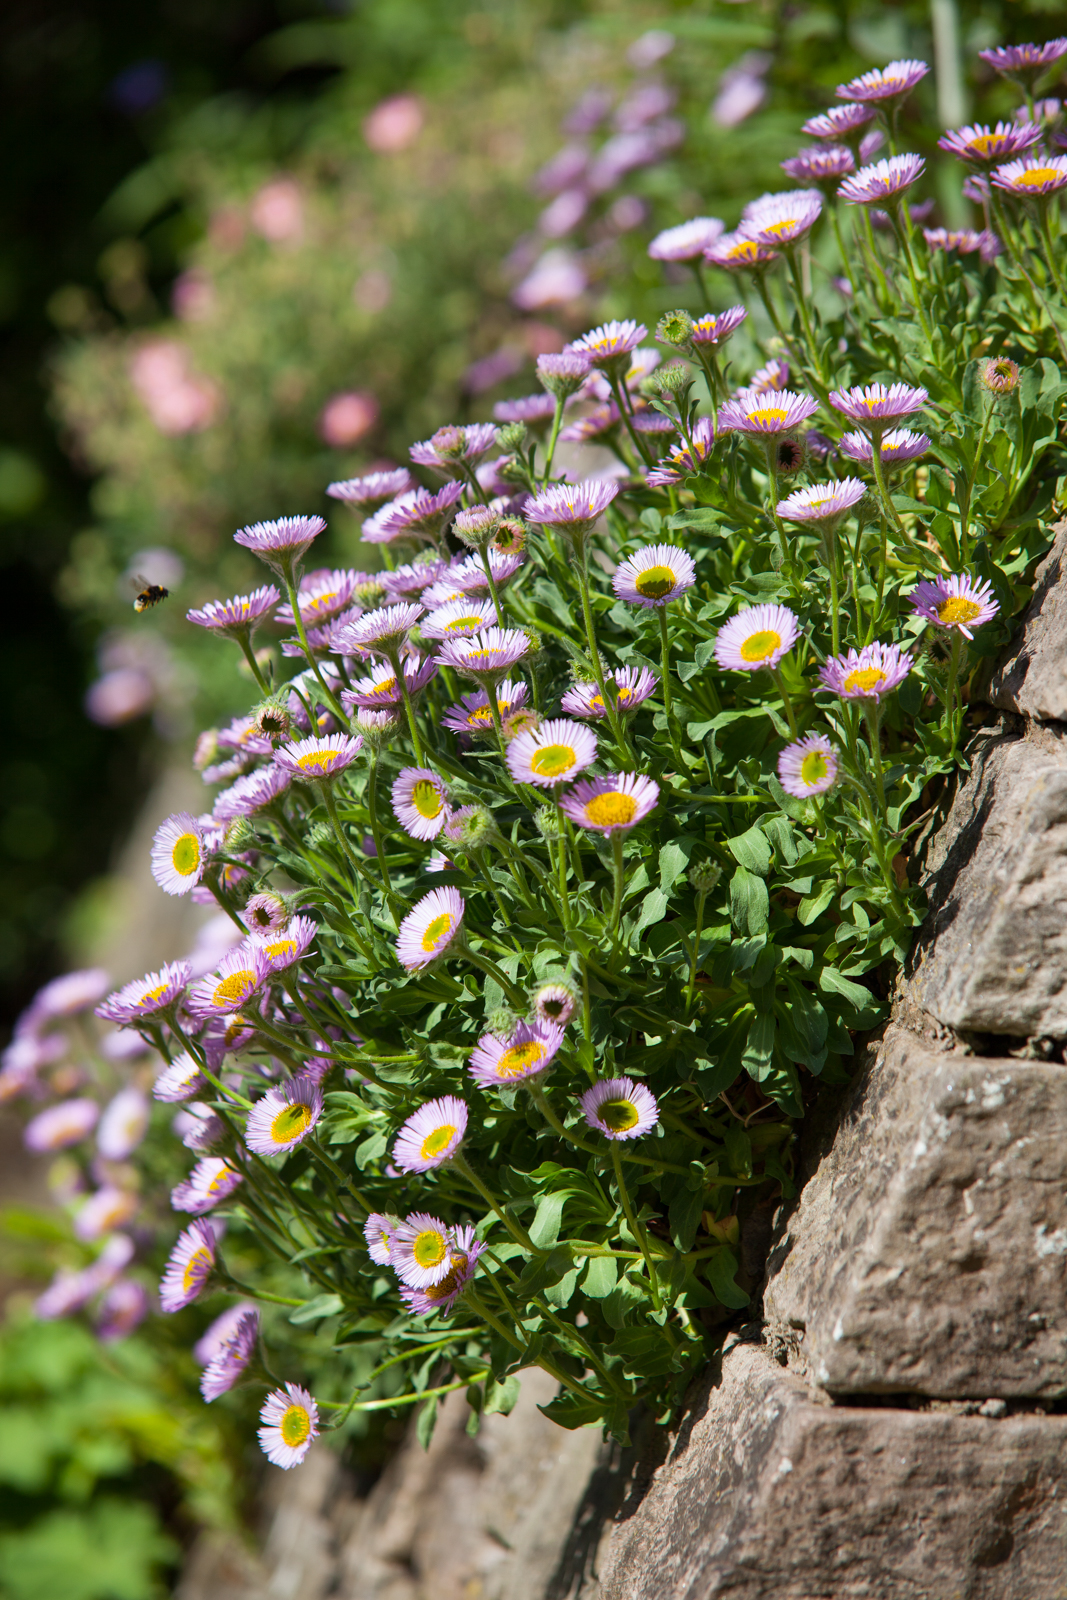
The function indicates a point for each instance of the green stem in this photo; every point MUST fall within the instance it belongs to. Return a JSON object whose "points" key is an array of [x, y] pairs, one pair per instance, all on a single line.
{"points": [[872, 711], [909, 262], [786, 702], [515, 997], [617, 867], [330, 803], [635, 1227], [409, 709], [328, 694], [376, 833], [954, 722], [250, 656], [691, 987], [665, 657], [610, 707], [517, 1231], [553, 439]]}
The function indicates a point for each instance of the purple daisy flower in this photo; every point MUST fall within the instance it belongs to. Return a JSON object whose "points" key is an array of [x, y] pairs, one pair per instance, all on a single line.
{"points": [[881, 84], [563, 374], [191, 1263], [867, 674], [380, 632], [61, 1125], [777, 411], [290, 1425], [822, 502], [619, 1108], [442, 1296], [897, 447], [1034, 178], [379, 1230], [216, 1335], [820, 166], [963, 242], [528, 408], [236, 979], [284, 1117], [434, 1133], [373, 489], [419, 1250], [782, 219], [735, 252], [688, 241], [467, 575], [460, 618], [179, 1081], [485, 656], [551, 754], [554, 1002], [420, 802], [654, 575], [210, 1182], [63, 997], [716, 327], [604, 346], [633, 687], [684, 459], [415, 515], [875, 403], [981, 146], [281, 543], [105, 1211], [251, 794], [147, 996], [123, 1124], [452, 445], [430, 928], [773, 375], [882, 181], [472, 714], [232, 1356], [198, 1127], [526, 1053], [757, 637], [839, 122], [1027, 60], [413, 577], [574, 506], [614, 804], [319, 760], [178, 853], [382, 689], [956, 601], [285, 947], [123, 1308], [322, 595], [231, 619], [808, 766]]}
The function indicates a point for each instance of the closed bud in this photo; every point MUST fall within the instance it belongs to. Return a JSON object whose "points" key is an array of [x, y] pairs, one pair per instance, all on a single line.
{"points": [[476, 527], [704, 876], [510, 470], [449, 442], [502, 1021], [546, 821], [671, 379], [239, 835], [377, 727], [471, 827], [320, 834], [1000, 376], [512, 436], [675, 328], [563, 374]]}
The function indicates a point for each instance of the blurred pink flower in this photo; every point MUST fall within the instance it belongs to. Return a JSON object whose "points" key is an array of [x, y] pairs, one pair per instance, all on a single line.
{"points": [[178, 400], [565, 213], [555, 279], [742, 89], [277, 211], [372, 291], [348, 417], [119, 696], [193, 296], [394, 124]]}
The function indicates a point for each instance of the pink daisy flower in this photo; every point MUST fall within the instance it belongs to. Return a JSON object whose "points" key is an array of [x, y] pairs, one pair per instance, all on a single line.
{"points": [[956, 601], [238, 977], [178, 853], [820, 166], [758, 636], [606, 344], [614, 804], [210, 1182], [290, 1425], [867, 674], [284, 1117], [1033, 178], [782, 219], [319, 760], [619, 1108], [419, 1250], [322, 596], [123, 1123], [285, 946], [979, 145], [716, 327], [527, 1053], [430, 928], [554, 1003], [551, 754], [685, 459], [413, 577], [529, 408], [574, 506], [735, 252], [231, 619], [379, 1231], [808, 766], [1025, 59], [434, 1133], [563, 374], [105, 1211], [882, 181], [180, 1081], [442, 1295], [897, 447], [373, 489], [472, 714], [777, 411], [61, 1126], [460, 617], [122, 1309], [822, 502], [380, 632], [415, 515], [251, 793], [381, 688], [654, 575], [231, 1358], [451, 445], [688, 241], [892, 82], [485, 656], [839, 122], [281, 543], [147, 996], [875, 403], [633, 686], [191, 1263], [467, 576], [420, 802]]}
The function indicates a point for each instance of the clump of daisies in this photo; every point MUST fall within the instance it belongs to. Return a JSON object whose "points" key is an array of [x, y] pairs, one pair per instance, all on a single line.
{"points": [[563, 833]]}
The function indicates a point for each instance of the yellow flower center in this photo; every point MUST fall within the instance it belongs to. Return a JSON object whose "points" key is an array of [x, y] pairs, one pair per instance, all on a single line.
{"points": [[219, 1180], [185, 856], [813, 768], [618, 1115], [746, 250], [236, 986], [198, 1264], [294, 1426], [483, 658], [235, 1026], [957, 610], [985, 143], [458, 623], [385, 688], [438, 1140], [426, 800], [655, 582], [553, 760], [284, 947], [768, 414], [758, 646], [437, 930], [611, 810], [430, 1248], [865, 678], [320, 603], [519, 1059], [153, 994], [291, 1123], [781, 227], [320, 759], [449, 1285], [1034, 177]]}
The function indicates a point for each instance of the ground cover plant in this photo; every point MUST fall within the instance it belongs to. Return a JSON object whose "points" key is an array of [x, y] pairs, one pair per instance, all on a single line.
{"points": [[576, 851]]}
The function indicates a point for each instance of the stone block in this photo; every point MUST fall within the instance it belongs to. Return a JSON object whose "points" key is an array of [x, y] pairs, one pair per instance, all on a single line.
{"points": [[1032, 676], [928, 1252], [992, 955], [769, 1496]]}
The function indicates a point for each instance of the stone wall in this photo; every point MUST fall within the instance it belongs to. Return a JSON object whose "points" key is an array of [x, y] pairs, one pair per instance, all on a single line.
{"points": [[895, 1427]]}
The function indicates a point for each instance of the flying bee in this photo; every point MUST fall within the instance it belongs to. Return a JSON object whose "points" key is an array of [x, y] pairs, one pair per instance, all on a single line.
{"points": [[148, 595]]}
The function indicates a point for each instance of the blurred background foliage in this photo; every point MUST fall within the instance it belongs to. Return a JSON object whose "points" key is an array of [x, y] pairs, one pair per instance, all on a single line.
{"points": [[247, 247]]}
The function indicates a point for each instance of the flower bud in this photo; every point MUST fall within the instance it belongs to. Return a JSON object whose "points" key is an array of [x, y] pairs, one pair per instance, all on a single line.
{"points": [[449, 442], [502, 1021], [546, 821], [320, 834], [511, 536], [675, 328], [671, 379], [1000, 376], [272, 718], [512, 436], [476, 527], [239, 835], [704, 876], [377, 727], [563, 374], [471, 827]]}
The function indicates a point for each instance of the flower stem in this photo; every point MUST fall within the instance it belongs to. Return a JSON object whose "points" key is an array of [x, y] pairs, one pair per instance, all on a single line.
{"points": [[553, 439], [635, 1227], [517, 1231], [486, 965], [617, 867], [691, 986]]}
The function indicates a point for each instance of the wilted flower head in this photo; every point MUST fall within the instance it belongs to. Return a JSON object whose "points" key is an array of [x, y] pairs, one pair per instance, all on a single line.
{"points": [[808, 766], [688, 241], [955, 601], [1000, 375], [882, 84]]}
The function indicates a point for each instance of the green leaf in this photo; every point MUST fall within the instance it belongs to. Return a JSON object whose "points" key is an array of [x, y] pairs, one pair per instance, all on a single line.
{"points": [[759, 1045], [752, 851], [601, 1276], [673, 860], [427, 1421], [501, 1397], [653, 909], [323, 1305], [684, 1218], [814, 905], [559, 1294], [721, 1270], [833, 982], [571, 1411], [544, 1230], [750, 904]]}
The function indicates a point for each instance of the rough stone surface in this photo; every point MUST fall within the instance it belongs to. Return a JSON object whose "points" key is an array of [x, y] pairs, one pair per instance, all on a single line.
{"points": [[992, 957], [1032, 676], [769, 1496], [928, 1253]]}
